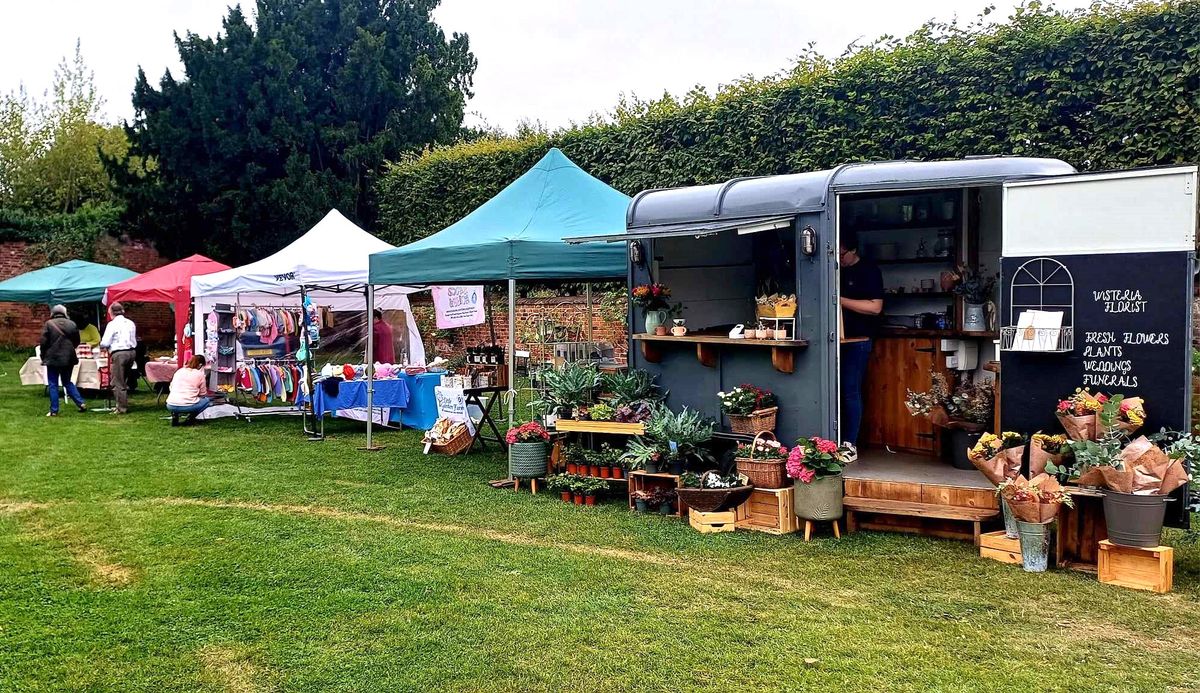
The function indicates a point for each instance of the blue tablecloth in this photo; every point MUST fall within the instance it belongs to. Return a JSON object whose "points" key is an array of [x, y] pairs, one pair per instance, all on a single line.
{"points": [[410, 397]]}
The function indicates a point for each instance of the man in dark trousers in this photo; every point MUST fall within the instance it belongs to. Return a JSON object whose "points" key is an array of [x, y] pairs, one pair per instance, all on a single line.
{"points": [[60, 336], [120, 341], [862, 303]]}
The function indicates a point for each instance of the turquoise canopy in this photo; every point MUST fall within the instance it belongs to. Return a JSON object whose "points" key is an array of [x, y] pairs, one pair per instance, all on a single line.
{"points": [[518, 234], [74, 281]]}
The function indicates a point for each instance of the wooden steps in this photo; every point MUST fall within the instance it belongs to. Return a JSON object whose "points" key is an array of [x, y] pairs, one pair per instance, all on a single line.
{"points": [[943, 512], [930, 519]]}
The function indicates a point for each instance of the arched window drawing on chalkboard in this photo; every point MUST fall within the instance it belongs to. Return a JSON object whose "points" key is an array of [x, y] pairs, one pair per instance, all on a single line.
{"points": [[1041, 308]]}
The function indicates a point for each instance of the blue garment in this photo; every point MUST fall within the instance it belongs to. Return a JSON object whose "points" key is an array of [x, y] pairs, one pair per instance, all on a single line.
{"points": [[53, 376], [199, 406], [853, 370], [410, 397]]}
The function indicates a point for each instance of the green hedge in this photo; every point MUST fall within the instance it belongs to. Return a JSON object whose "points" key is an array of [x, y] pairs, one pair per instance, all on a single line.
{"points": [[1100, 89], [63, 236]]}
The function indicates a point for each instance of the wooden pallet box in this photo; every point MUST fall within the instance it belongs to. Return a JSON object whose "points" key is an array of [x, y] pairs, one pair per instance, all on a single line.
{"points": [[769, 510], [1136, 568], [998, 547], [712, 523]]}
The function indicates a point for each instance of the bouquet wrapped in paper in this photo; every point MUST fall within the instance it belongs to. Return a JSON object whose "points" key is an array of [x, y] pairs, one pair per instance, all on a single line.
{"points": [[1045, 449], [1120, 413], [1034, 500], [1077, 414], [998, 456], [1145, 470]]}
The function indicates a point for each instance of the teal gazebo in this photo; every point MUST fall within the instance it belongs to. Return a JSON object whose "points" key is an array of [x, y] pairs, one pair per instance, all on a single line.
{"points": [[74, 281], [518, 235]]}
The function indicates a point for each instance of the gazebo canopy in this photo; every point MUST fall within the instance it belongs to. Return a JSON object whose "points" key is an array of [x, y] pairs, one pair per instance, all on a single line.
{"points": [[167, 284], [518, 234], [74, 281]]}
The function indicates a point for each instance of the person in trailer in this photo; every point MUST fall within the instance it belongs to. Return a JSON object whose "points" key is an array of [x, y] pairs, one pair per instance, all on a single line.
{"points": [[188, 394], [120, 341], [862, 303], [385, 346]]}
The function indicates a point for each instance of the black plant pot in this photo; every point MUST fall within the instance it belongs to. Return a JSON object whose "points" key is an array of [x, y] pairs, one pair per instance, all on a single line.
{"points": [[641, 505], [1134, 520], [664, 509], [958, 442], [677, 466], [652, 467]]}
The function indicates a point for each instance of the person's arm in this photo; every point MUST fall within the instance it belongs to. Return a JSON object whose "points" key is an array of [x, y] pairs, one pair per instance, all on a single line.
{"points": [[44, 342], [106, 340], [866, 306]]}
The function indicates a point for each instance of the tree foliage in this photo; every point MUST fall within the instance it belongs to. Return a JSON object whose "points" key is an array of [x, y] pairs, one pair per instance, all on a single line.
{"points": [[1114, 86], [276, 123]]}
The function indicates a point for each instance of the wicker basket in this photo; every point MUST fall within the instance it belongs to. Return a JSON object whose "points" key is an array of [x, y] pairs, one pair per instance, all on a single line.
{"points": [[711, 500], [456, 445], [763, 473], [755, 422]]}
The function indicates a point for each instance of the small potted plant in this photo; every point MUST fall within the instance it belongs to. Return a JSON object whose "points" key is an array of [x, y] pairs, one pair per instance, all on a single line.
{"points": [[680, 436], [566, 389], [750, 409], [816, 465], [1046, 450], [573, 454], [643, 454], [641, 500], [527, 451], [578, 485], [666, 501], [561, 484], [975, 292], [652, 299], [1077, 414]]}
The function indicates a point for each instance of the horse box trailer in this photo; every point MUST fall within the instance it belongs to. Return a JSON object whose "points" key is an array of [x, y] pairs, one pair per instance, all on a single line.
{"points": [[1108, 258]]}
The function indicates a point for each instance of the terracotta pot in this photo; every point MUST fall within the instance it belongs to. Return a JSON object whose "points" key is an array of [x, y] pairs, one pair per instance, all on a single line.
{"points": [[572, 468], [578, 499], [679, 331], [780, 334], [589, 500], [566, 496], [762, 334], [660, 331], [593, 470], [618, 473], [605, 472]]}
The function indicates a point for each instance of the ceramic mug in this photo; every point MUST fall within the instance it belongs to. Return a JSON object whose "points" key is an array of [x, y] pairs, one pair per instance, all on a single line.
{"points": [[761, 334], [679, 330]]}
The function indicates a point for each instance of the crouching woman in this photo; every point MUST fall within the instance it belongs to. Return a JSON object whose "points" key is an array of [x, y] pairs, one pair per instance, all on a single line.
{"points": [[189, 388]]}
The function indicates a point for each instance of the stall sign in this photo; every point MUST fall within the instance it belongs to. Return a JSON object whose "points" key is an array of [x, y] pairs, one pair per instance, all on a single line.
{"points": [[458, 306], [452, 404]]}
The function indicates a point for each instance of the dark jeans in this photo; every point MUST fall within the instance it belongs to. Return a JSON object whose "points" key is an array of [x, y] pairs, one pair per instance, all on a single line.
{"points": [[53, 377], [118, 371], [853, 370]]}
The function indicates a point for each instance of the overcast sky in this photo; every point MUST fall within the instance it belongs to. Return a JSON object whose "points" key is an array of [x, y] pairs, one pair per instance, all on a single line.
{"points": [[553, 61]]}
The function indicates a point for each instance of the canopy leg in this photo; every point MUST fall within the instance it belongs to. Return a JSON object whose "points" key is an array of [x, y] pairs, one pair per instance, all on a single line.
{"points": [[371, 447], [512, 349]]}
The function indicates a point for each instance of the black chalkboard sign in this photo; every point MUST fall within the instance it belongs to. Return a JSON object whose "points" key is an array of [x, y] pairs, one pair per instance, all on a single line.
{"points": [[1131, 316]]}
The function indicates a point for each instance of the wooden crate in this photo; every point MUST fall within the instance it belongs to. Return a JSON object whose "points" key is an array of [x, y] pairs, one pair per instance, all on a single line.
{"points": [[712, 523], [1140, 569], [769, 510], [1080, 531], [998, 547], [645, 481], [612, 427]]}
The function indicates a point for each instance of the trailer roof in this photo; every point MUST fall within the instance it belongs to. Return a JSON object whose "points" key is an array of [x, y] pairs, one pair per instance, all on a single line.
{"points": [[795, 193]]}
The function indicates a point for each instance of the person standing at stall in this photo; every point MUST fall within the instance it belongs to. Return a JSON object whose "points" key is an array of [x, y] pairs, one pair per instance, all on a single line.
{"points": [[862, 303], [60, 336], [385, 346], [120, 341]]}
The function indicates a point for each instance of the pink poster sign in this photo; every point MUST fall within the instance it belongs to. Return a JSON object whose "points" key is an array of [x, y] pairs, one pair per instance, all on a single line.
{"points": [[458, 306]]}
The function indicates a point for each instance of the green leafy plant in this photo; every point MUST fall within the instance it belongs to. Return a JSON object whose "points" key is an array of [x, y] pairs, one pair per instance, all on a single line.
{"points": [[681, 434], [571, 386], [639, 451], [629, 386], [601, 412], [1086, 454]]}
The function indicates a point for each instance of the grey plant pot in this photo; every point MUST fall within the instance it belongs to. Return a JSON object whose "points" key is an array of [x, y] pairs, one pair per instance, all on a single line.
{"points": [[527, 460], [820, 500], [1134, 520]]}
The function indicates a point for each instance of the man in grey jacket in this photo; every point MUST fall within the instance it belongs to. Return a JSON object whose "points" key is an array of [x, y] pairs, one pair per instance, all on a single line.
{"points": [[60, 336]]}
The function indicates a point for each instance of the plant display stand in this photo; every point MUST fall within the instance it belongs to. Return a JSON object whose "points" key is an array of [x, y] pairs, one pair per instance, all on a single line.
{"points": [[712, 523], [808, 528], [1136, 568], [533, 485], [645, 481], [608, 427], [769, 510], [998, 547]]}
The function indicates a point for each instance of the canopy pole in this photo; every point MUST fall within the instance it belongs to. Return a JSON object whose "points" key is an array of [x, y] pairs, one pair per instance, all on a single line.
{"points": [[512, 346], [587, 290], [371, 447]]}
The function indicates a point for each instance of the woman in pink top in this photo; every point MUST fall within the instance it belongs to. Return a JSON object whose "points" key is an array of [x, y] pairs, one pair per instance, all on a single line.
{"points": [[189, 388]]}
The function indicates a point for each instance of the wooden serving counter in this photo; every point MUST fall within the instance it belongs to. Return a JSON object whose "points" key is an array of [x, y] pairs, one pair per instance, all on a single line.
{"points": [[783, 351]]}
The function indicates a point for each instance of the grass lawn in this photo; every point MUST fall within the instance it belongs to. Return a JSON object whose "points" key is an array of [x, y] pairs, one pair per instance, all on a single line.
{"points": [[239, 557]]}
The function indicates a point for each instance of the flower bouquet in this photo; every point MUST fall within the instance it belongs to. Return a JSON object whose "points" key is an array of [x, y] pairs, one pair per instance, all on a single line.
{"points": [[651, 296], [750, 409], [1043, 449], [1135, 503], [1120, 413], [1077, 414], [1034, 500], [999, 457], [763, 461]]}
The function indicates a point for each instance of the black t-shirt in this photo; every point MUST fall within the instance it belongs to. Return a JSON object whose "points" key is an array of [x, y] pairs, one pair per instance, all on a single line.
{"points": [[861, 281]]}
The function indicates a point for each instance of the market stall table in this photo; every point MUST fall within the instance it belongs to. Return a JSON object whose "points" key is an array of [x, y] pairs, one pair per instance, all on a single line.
{"points": [[409, 398], [85, 375]]}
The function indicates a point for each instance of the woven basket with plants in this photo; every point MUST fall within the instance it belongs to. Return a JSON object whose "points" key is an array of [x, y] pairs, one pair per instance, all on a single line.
{"points": [[763, 461], [712, 491], [750, 409]]}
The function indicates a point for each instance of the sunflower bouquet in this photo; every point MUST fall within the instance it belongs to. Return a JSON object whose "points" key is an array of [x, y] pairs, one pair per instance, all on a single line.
{"points": [[998, 456], [1045, 448]]}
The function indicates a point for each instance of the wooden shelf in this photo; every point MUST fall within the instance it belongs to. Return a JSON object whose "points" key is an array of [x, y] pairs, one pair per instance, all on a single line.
{"points": [[611, 427], [783, 351], [948, 260]]}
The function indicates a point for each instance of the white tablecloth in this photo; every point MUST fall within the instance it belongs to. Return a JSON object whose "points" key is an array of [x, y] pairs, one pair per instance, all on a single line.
{"points": [[86, 374]]}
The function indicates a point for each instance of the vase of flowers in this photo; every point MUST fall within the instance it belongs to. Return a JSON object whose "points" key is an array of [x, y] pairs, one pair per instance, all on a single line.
{"points": [[750, 409], [816, 465], [652, 299], [527, 455], [975, 291]]}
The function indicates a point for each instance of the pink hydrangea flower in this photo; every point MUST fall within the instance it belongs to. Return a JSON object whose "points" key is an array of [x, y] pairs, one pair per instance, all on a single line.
{"points": [[825, 446], [796, 468]]}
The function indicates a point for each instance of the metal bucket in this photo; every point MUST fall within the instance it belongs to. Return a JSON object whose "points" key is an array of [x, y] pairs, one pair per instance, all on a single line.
{"points": [[1010, 521], [1134, 520], [1035, 546]]}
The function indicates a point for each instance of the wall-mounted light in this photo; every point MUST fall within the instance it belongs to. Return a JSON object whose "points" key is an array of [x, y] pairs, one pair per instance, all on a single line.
{"points": [[808, 241], [637, 255]]}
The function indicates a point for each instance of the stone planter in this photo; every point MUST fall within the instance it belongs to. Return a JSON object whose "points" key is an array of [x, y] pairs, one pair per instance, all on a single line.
{"points": [[820, 500]]}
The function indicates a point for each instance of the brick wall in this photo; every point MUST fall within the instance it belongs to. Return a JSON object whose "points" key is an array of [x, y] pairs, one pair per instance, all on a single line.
{"points": [[21, 323], [568, 311]]}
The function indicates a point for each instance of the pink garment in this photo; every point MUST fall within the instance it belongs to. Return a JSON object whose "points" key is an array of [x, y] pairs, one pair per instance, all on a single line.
{"points": [[187, 387], [385, 349]]}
